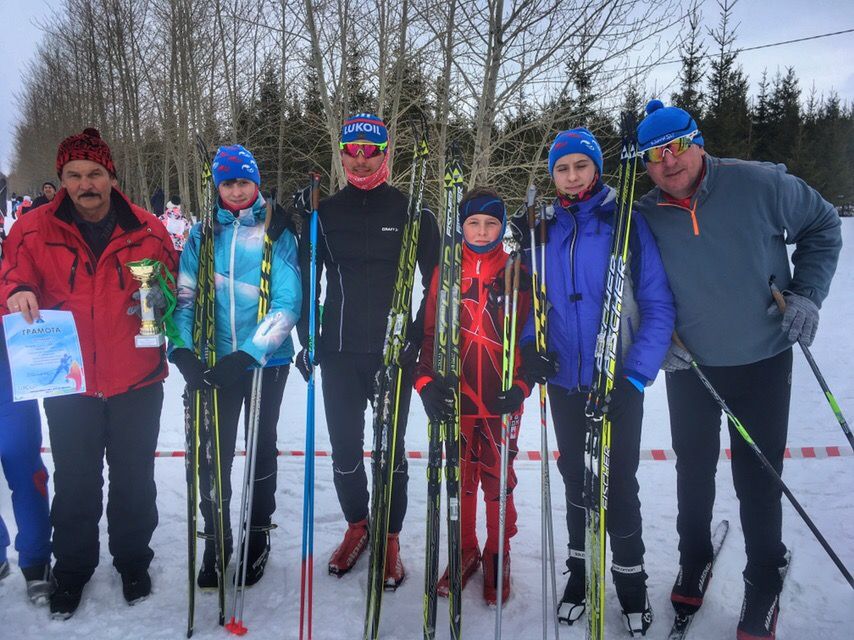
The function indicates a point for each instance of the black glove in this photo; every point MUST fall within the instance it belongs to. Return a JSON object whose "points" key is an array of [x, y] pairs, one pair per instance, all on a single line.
{"points": [[507, 401], [438, 399], [540, 367], [228, 370], [302, 200], [625, 399], [408, 354], [191, 368], [280, 220], [304, 364]]}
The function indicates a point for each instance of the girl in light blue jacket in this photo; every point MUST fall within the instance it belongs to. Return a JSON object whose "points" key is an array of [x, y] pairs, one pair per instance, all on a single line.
{"points": [[242, 343]]}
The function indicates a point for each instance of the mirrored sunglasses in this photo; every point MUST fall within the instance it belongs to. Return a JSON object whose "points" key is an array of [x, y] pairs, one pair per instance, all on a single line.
{"points": [[676, 148], [368, 150]]}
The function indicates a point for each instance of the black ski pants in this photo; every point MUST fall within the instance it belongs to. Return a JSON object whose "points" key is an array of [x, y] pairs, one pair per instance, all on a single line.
{"points": [[758, 394], [82, 429], [230, 401], [348, 387], [623, 520]]}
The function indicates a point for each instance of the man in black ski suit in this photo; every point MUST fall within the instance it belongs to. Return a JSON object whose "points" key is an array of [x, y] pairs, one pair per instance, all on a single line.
{"points": [[360, 233]]}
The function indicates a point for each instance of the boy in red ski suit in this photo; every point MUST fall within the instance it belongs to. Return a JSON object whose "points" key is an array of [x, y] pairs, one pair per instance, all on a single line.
{"points": [[482, 400]]}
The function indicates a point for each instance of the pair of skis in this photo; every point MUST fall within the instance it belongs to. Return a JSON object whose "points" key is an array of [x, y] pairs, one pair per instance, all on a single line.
{"points": [[446, 360], [388, 385], [598, 437], [201, 409], [538, 276]]}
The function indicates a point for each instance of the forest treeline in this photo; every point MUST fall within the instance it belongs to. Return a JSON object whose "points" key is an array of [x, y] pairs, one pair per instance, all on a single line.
{"points": [[499, 78]]}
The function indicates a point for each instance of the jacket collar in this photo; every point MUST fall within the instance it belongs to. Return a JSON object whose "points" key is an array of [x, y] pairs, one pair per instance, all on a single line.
{"points": [[248, 217], [126, 217]]}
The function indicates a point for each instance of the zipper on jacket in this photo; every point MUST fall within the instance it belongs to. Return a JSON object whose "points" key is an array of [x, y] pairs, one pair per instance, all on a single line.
{"points": [[73, 272], [120, 274], [692, 211], [232, 312], [574, 301]]}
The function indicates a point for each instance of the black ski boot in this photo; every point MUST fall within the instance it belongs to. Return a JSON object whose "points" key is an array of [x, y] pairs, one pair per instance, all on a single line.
{"points": [[65, 600], [690, 587], [259, 552], [136, 586], [630, 583], [759, 612], [208, 579], [574, 601]]}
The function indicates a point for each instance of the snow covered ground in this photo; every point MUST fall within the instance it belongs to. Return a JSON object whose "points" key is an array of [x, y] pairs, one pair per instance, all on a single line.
{"points": [[816, 602]]}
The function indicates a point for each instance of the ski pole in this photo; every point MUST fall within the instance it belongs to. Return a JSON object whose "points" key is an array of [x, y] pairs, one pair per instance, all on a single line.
{"points": [[546, 523], [511, 288], [767, 465], [831, 399], [307, 568]]}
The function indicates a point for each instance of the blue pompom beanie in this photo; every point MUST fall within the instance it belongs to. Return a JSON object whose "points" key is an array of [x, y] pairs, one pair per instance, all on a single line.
{"points": [[490, 206], [232, 162], [364, 127], [578, 140], [664, 124]]}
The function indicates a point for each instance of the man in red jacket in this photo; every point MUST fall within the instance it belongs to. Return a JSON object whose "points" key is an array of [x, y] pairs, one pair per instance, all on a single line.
{"points": [[71, 254]]}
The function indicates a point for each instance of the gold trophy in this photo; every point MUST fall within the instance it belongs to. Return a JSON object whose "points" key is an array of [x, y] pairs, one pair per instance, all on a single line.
{"points": [[145, 272]]}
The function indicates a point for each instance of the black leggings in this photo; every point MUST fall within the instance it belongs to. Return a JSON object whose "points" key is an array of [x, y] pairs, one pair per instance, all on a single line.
{"points": [[624, 518], [348, 387], [230, 401], [758, 395]]}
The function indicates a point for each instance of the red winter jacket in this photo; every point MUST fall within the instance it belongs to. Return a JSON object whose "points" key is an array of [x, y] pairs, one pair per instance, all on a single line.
{"points": [[46, 254], [481, 329]]}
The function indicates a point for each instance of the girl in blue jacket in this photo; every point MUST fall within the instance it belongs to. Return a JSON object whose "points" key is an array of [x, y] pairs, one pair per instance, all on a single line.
{"points": [[577, 252], [242, 343]]}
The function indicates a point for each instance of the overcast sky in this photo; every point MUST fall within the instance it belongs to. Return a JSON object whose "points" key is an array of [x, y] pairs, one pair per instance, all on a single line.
{"points": [[826, 62]]}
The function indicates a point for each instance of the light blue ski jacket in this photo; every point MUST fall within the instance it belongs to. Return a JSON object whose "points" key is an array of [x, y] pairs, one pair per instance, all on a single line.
{"points": [[238, 245]]}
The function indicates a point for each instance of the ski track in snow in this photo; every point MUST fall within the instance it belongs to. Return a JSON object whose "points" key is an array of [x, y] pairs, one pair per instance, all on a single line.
{"points": [[816, 601]]}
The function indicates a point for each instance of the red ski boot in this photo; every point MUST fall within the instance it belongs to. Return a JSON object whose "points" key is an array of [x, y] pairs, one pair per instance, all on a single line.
{"points": [[347, 554]]}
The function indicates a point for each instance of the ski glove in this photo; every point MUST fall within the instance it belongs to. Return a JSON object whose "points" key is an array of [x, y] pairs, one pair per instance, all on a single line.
{"points": [[304, 364], [408, 354], [228, 370], [191, 368], [156, 300], [438, 399], [800, 320], [676, 359], [280, 220], [507, 401], [626, 398], [540, 367]]}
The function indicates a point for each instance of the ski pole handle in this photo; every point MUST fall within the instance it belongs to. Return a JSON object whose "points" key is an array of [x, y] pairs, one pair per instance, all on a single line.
{"points": [[314, 178], [529, 203], [778, 297], [678, 342]]}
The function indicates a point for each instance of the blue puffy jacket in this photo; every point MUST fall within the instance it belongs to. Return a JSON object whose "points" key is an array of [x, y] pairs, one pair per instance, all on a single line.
{"points": [[238, 244], [577, 251]]}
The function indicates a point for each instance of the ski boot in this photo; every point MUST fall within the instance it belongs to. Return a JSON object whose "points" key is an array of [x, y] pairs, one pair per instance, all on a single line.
{"points": [[65, 600], [574, 601], [630, 583], [259, 553], [690, 587], [468, 565], [354, 544], [40, 583], [395, 573], [490, 578], [759, 612], [136, 586]]}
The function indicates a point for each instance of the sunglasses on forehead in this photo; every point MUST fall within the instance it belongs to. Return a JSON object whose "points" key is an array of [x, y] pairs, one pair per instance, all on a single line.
{"points": [[368, 150], [676, 148]]}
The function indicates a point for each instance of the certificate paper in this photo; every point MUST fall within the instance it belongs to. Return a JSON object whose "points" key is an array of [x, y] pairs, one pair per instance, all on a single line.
{"points": [[44, 357]]}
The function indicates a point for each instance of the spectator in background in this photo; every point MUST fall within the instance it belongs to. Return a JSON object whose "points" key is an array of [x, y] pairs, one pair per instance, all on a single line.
{"points": [[175, 222], [48, 194]]}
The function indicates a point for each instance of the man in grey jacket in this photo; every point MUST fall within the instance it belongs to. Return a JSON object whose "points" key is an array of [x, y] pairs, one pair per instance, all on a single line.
{"points": [[722, 227]]}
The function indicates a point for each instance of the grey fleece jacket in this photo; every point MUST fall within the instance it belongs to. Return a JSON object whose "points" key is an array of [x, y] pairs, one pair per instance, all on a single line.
{"points": [[720, 253]]}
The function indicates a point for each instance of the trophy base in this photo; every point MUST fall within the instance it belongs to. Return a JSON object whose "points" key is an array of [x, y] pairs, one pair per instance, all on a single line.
{"points": [[143, 342]]}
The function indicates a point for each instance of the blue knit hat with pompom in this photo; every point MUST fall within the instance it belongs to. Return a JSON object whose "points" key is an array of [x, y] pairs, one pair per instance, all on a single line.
{"points": [[664, 124]]}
